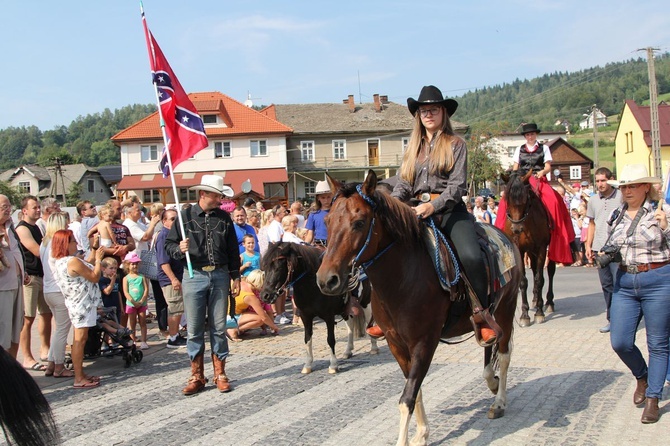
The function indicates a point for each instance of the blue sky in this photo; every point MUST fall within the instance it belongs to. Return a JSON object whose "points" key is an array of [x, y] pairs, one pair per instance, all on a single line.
{"points": [[68, 59]]}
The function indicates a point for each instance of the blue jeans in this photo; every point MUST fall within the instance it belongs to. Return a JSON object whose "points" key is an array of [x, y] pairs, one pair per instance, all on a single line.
{"points": [[206, 294], [637, 295]]}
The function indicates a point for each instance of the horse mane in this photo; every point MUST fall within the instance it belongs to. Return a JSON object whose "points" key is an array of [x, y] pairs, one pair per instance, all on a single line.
{"points": [[301, 257], [398, 219], [516, 189]]}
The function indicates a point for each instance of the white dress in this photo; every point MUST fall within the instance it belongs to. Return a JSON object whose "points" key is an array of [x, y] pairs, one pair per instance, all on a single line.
{"points": [[82, 298]]}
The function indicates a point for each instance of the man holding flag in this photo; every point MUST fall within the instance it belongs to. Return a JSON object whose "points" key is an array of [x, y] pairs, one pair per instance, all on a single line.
{"points": [[211, 239]]}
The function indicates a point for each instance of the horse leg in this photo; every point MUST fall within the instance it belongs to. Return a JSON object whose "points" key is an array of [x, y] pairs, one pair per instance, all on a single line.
{"points": [[551, 270], [350, 339], [538, 276], [367, 311], [489, 374], [524, 320], [422, 430], [497, 410], [309, 356], [401, 354], [330, 326]]}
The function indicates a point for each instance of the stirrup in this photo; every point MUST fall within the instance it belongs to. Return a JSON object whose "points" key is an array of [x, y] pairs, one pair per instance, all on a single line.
{"points": [[483, 317]]}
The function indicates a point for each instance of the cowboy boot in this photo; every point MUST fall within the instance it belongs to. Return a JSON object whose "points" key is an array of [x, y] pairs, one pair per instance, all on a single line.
{"points": [[640, 391], [197, 380], [220, 377], [650, 412]]}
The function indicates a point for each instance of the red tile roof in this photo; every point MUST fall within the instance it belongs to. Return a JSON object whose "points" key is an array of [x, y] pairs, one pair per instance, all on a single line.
{"points": [[642, 114], [232, 178], [240, 120]]}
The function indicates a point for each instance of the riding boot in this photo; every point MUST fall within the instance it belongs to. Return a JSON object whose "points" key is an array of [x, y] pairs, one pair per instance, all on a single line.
{"points": [[640, 394], [650, 412], [220, 377], [487, 331], [197, 381]]}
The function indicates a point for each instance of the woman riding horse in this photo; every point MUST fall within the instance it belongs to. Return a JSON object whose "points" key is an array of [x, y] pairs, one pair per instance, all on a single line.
{"points": [[434, 172], [537, 157]]}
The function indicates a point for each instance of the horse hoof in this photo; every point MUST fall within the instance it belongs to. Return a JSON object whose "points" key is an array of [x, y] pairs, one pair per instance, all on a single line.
{"points": [[495, 413], [524, 322], [374, 351], [347, 355], [548, 309], [539, 319], [332, 370], [306, 370]]}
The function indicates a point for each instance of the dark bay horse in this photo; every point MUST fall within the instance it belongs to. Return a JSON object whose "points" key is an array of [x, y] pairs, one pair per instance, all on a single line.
{"points": [[369, 228], [528, 224], [289, 265]]}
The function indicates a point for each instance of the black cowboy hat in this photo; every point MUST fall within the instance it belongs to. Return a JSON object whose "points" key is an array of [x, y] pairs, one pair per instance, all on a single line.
{"points": [[528, 128], [431, 95]]}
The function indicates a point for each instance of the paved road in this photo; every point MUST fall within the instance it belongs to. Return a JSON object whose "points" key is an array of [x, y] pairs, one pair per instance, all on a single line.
{"points": [[566, 387]]}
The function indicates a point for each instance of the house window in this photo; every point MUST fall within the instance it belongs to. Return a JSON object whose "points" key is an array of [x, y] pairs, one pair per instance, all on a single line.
{"points": [[149, 153], [209, 119], [307, 151], [222, 149], [91, 186], [151, 196], [24, 187], [510, 151], [186, 195], [339, 152], [575, 172], [405, 143], [259, 148], [310, 187], [629, 142]]}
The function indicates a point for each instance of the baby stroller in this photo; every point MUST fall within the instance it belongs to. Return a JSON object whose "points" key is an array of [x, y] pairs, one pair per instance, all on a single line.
{"points": [[122, 344]]}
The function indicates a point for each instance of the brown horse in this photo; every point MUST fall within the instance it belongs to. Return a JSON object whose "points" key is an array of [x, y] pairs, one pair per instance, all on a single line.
{"points": [[368, 228], [528, 224]]}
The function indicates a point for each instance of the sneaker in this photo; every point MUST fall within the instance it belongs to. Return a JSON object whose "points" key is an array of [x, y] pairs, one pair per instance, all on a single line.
{"points": [[605, 329], [283, 320], [144, 346], [277, 319], [177, 343]]}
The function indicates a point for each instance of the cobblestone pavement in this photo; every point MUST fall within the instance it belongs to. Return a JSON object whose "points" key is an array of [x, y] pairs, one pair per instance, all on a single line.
{"points": [[566, 386]]}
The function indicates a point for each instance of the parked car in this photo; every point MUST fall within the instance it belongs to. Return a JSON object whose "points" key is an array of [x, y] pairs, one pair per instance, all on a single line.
{"points": [[486, 192]]}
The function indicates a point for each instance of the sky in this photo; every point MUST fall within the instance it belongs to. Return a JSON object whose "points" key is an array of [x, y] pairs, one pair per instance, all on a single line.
{"points": [[68, 59]]}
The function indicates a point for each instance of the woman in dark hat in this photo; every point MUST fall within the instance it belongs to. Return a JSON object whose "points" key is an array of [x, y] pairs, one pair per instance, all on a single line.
{"points": [[537, 157], [434, 172]]}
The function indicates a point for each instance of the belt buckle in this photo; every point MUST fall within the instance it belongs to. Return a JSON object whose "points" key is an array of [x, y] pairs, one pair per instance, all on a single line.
{"points": [[424, 197], [208, 268], [632, 269]]}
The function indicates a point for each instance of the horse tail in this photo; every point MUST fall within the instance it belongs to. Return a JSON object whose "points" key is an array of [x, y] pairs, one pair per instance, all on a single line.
{"points": [[25, 415], [358, 325]]}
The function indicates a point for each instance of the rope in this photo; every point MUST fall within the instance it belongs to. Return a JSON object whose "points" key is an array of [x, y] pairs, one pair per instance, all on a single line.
{"points": [[443, 239]]}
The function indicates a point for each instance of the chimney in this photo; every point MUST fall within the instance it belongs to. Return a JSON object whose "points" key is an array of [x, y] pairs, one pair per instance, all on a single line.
{"points": [[352, 104], [384, 99], [378, 106]]}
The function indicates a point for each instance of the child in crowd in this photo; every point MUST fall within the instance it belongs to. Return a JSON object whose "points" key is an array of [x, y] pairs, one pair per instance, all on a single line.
{"points": [[106, 321], [249, 259], [136, 290], [576, 243], [110, 284], [104, 227]]}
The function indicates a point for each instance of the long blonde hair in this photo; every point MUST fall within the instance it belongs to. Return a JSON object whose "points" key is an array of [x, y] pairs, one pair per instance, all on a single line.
{"points": [[55, 222], [442, 156]]}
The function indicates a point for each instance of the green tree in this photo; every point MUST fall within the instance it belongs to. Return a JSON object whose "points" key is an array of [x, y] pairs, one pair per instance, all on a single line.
{"points": [[73, 195], [483, 162], [11, 192]]}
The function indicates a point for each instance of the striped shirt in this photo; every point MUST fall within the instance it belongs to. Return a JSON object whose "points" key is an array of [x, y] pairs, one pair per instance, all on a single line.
{"points": [[648, 244]]}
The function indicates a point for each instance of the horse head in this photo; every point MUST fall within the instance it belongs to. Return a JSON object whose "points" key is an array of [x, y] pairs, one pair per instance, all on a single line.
{"points": [[279, 265], [517, 196], [350, 223]]}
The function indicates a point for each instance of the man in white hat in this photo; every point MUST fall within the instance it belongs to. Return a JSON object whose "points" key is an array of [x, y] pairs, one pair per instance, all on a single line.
{"points": [[317, 234], [212, 245]]}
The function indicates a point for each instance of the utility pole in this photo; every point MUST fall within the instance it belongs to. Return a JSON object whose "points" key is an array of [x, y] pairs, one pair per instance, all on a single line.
{"points": [[653, 107], [594, 111]]}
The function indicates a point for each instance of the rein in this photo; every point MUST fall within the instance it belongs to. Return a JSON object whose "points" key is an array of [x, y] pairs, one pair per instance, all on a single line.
{"points": [[288, 283], [373, 205], [525, 214]]}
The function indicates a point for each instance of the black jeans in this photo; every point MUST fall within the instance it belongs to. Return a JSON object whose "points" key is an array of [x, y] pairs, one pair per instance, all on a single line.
{"points": [[459, 227], [161, 305]]}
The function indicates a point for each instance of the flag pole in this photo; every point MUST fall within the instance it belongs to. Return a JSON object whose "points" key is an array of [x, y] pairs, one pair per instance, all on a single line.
{"points": [[169, 158]]}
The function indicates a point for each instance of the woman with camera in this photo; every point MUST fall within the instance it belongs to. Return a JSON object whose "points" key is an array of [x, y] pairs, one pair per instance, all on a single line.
{"points": [[639, 237]]}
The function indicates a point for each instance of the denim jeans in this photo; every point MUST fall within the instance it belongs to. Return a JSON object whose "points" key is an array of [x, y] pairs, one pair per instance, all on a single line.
{"points": [[606, 276], [206, 294], [637, 295]]}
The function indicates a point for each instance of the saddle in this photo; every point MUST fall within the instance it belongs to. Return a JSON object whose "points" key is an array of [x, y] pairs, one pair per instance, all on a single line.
{"points": [[498, 254]]}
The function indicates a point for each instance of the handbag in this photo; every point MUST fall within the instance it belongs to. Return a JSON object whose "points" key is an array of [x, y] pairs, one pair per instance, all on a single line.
{"points": [[148, 266]]}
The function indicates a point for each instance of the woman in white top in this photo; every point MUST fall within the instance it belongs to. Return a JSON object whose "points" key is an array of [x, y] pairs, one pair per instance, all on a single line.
{"points": [[56, 301], [78, 281], [275, 230], [290, 226]]}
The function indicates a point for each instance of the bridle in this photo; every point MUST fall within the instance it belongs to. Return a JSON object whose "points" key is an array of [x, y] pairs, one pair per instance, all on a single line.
{"points": [[288, 283], [373, 205]]}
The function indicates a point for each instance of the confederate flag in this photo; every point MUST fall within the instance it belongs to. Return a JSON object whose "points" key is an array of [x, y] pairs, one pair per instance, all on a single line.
{"points": [[183, 125]]}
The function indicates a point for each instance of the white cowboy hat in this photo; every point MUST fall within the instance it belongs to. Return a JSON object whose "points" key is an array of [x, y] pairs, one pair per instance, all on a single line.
{"points": [[214, 183], [322, 187], [634, 174]]}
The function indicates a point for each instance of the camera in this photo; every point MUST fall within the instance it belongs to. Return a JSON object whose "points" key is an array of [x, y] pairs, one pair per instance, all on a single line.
{"points": [[609, 254]]}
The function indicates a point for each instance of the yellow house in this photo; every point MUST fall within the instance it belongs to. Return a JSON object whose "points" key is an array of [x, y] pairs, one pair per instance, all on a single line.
{"points": [[633, 137]]}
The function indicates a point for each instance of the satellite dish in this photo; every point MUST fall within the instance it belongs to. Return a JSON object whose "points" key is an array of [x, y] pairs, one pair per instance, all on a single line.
{"points": [[557, 173], [246, 187]]}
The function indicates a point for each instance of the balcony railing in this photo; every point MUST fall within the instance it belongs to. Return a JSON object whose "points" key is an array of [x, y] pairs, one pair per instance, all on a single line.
{"points": [[351, 162]]}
